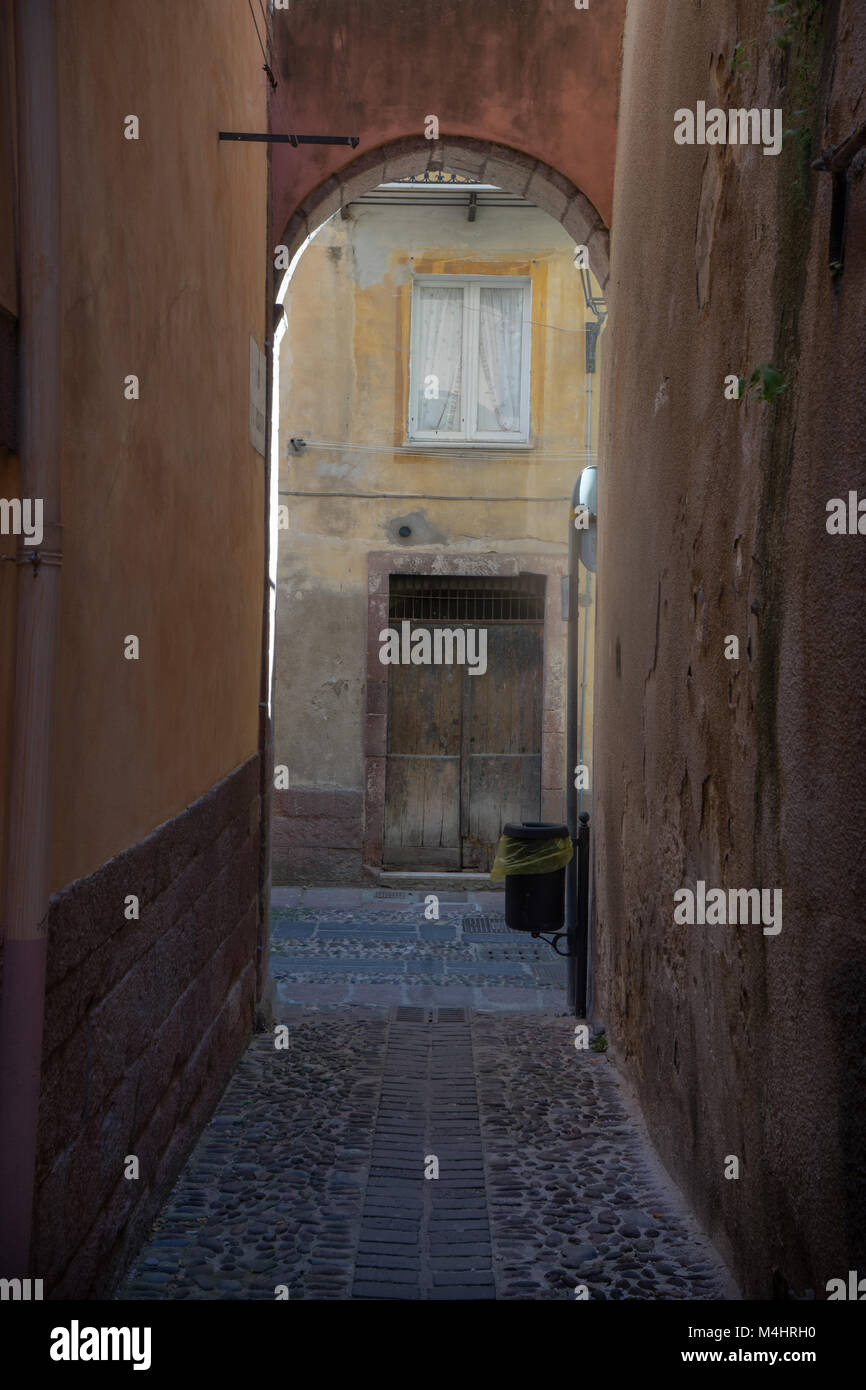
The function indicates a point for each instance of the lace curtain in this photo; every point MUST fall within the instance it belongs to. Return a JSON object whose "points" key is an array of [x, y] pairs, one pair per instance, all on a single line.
{"points": [[499, 336], [441, 358]]}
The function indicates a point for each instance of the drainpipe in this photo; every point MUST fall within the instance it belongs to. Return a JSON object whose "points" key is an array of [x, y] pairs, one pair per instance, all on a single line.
{"points": [[576, 878], [38, 590], [571, 751], [264, 988], [588, 454]]}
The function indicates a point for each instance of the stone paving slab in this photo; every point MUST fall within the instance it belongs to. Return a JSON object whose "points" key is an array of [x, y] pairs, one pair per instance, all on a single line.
{"points": [[343, 957], [335, 897]]}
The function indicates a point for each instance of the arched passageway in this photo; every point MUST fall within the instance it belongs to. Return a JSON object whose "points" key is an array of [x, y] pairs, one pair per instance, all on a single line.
{"points": [[542, 80], [562, 383], [484, 162]]}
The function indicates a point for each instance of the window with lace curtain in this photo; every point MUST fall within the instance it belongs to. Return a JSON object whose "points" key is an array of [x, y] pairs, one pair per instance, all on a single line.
{"points": [[469, 363]]}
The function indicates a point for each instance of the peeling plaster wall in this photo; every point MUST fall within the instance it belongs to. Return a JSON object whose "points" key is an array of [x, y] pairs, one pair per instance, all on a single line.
{"points": [[344, 388], [745, 773]]}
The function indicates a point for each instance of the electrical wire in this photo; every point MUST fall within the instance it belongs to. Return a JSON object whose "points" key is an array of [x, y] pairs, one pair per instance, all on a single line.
{"points": [[495, 451], [531, 323], [256, 24], [420, 496], [267, 24]]}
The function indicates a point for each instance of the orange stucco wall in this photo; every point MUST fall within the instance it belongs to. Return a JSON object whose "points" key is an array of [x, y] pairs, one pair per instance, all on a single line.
{"points": [[163, 276]]}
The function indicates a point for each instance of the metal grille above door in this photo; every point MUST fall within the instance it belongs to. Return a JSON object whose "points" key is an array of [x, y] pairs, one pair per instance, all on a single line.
{"points": [[453, 598]]}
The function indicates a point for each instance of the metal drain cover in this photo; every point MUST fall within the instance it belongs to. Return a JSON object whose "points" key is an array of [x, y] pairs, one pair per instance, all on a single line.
{"points": [[481, 925], [405, 1013]]}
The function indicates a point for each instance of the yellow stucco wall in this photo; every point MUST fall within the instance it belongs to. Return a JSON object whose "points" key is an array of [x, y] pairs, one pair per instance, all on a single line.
{"points": [[344, 383], [164, 261]]}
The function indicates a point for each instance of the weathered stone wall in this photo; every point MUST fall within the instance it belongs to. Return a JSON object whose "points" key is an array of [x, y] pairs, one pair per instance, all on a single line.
{"points": [[748, 772], [144, 1021]]}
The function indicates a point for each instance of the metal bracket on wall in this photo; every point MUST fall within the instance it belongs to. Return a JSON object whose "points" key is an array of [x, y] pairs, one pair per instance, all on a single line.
{"points": [[34, 558], [596, 306], [592, 335], [552, 940], [837, 161], [293, 140]]}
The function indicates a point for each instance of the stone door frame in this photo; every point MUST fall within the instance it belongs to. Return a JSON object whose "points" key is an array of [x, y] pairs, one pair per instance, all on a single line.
{"points": [[381, 563]]}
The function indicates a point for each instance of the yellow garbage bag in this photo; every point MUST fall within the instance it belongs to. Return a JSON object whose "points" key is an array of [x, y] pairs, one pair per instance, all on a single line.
{"points": [[530, 856]]}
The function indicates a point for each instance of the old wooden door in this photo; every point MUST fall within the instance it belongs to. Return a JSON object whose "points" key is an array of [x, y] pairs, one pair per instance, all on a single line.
{"points": [[464, 752], [500, 765], [422, 772]]}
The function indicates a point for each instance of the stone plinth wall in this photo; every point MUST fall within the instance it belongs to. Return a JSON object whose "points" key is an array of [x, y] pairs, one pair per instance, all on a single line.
{"points": [[317, 836], [144, 1022]]}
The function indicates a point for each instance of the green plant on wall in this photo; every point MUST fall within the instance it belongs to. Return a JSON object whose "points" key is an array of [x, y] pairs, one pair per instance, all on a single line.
{"points": [[793, 37], [798, 41], [765, 384], [739, 62], [792, 14]]}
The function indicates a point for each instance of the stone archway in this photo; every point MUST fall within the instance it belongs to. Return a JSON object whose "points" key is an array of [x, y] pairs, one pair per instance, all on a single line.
{"points": [[481, 160]]}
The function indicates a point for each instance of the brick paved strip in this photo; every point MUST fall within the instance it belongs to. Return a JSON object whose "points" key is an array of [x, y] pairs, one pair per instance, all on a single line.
{"points": [[363, 1289], [427, 1106], [452, 1264], [464, 1293], [464, 1279], [372, 1274]]}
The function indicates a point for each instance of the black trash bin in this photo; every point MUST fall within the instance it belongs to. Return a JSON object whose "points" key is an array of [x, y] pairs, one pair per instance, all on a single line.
{"points": [[532, 857]]}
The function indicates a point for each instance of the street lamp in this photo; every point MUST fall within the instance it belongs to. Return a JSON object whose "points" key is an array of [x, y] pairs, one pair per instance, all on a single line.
{"points": [[598, 308]]}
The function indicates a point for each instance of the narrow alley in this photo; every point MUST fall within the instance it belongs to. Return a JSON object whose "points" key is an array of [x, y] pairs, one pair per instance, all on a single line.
{"points": [[409, 1040], [432, 674]]}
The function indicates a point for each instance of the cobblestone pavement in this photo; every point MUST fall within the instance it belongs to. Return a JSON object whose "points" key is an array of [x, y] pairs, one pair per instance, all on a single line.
{"points": [[311, 1173], [359, 948]]}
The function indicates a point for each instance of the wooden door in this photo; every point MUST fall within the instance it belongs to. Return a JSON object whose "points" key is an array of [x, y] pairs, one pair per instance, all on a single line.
{"points": [[501, 744], [422, 772], [463, 753]]}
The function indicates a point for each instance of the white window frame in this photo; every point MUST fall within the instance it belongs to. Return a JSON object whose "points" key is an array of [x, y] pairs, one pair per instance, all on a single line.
{"points": [[472, 286]]}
